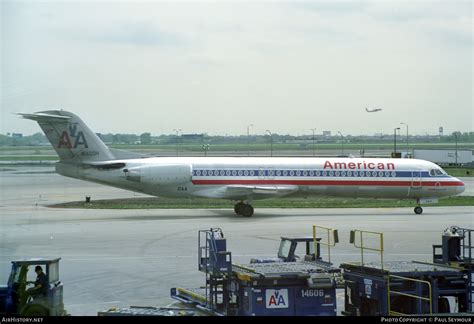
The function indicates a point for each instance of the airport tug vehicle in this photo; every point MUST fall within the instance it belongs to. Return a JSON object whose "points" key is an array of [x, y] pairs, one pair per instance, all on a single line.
{"points": [[282, 287], [15, 299], [457, 250]]}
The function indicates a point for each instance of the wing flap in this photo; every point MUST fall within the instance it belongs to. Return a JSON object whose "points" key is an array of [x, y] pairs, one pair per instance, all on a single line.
{"points": [[263, 190], [247, 191]]}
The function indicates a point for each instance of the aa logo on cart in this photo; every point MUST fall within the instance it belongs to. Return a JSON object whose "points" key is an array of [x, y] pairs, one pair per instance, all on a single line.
{"points": [[276, 298]]}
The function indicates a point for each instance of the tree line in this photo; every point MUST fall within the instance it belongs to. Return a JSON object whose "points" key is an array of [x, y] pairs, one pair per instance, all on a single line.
{"points": [[148, 139]]}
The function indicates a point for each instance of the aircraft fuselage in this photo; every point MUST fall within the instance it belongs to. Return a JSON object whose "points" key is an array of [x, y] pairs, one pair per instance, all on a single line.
{"points": [[83, 155], [338, 177]]}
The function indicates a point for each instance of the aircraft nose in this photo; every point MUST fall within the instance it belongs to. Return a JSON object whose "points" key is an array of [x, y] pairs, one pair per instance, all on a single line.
{"points": [[460, 187]]}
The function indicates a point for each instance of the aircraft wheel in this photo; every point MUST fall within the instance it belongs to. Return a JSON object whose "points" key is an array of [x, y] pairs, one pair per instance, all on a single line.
{"points": [[238, 208], [247, 210], [34, 310], [418, 210]]}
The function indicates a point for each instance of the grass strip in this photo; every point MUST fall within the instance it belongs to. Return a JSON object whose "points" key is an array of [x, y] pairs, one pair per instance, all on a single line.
{"points": [[191, 203]]}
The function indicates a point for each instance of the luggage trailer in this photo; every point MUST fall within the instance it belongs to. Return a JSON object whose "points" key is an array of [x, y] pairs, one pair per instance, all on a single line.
{"points": [[286, 287], [398, 288], [266, 288]]}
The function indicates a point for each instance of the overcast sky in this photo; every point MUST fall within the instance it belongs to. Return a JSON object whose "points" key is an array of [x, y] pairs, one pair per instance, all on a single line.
{"points": [[216, 67]]}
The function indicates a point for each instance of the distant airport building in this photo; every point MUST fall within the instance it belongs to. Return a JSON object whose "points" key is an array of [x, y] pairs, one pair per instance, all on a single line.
{"points": [[15, 135], [192, 136], [326, 133], [440, 131], [444, 157]]}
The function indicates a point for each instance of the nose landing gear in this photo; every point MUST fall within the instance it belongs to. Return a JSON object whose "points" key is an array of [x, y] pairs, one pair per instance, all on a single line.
{"points": [[245, 210], [418, 210]]}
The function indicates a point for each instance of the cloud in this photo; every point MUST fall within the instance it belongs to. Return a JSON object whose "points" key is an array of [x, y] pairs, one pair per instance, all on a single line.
{"points": [[437, 21], [142, 34], [331, 7], [289, 65]]}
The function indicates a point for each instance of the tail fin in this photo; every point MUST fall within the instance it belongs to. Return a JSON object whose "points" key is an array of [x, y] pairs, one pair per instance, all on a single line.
{"points": [[70, 137]]}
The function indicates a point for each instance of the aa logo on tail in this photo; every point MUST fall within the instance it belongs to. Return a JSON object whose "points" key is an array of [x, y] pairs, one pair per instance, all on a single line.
{"points": [[77, 136]]}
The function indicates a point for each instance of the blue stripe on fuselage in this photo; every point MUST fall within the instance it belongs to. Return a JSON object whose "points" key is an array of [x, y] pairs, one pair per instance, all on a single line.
{"points": [[308, 173]]}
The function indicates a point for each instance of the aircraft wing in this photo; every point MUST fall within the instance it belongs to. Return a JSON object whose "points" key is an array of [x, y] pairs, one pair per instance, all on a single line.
{"points": [[125, 155], [238, 192]]}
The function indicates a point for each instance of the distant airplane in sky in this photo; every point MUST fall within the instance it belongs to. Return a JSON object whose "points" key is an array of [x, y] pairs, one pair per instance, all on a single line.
{"points": [[84, 156], [373, 110]]}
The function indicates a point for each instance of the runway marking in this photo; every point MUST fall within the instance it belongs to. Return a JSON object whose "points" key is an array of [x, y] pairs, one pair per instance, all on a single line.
{"points": [[97, 303], [132, 258], [171, 304], [234, 255]]}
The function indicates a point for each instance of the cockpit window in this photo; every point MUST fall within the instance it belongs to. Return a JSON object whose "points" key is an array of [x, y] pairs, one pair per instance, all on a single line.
{"points": [[436, 172]]}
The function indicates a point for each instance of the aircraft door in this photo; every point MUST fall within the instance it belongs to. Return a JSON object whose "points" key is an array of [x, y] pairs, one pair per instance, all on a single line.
{"points": [[261, 173], [416, 179], [266, 173], [271, 173]]}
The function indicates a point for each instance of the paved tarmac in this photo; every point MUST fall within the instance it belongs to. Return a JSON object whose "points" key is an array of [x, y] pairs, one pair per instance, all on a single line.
{"points": [[133, 257]]}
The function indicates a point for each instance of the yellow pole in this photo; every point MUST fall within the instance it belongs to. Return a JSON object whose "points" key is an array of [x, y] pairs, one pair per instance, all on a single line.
{"points": [[381, 249], [388, 294]]}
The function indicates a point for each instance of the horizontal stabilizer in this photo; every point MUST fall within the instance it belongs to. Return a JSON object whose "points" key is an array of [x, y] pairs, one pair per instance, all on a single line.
{"points": [[70, 136], [43, 117]]}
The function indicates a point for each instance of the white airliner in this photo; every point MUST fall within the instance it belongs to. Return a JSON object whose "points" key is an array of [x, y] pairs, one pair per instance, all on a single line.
{"points": [[373, 110], [242, 179]]}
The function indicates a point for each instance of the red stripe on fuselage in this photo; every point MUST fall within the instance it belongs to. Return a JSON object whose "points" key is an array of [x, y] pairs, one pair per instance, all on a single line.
{"points": [[329, 183]]}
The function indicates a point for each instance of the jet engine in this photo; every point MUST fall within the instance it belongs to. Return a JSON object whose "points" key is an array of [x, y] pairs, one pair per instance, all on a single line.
{"points": [[160, 174]]}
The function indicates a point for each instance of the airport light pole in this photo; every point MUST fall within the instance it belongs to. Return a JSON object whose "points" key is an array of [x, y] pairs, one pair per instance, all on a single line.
{"points": [[407, 134], [177, 140], [456, 148], [313, 129], [206, 148], [271, 142], [342, 146], [395, 140], [248, 138]]}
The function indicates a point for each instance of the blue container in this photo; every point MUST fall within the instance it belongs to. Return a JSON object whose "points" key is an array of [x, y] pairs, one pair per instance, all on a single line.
{"points": [[287, 301]]}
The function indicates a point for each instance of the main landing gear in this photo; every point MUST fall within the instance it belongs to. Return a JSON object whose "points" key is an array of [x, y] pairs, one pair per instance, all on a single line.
{"points": [[245, 210]]}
